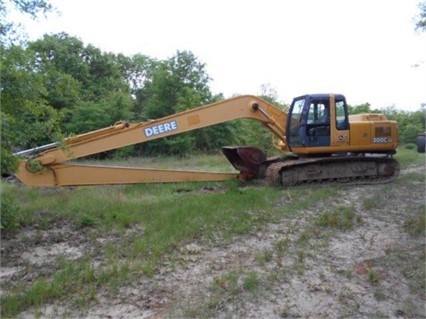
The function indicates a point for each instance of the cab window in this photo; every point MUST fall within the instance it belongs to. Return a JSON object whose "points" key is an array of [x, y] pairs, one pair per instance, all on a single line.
{"points": [[318, 113], [341, 115]]}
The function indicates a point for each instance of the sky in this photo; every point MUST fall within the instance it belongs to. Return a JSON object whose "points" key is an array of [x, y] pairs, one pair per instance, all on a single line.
{"points": [[367, 50]]}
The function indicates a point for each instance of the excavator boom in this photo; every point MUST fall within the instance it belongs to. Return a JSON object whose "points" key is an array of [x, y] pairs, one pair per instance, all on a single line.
{"points": [[50, 167]]}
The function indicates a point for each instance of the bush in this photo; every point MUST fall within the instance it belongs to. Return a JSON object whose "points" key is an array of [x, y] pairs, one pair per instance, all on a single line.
{"points": [[410, 146], [9, 214], [9, 162], [410, 132]]}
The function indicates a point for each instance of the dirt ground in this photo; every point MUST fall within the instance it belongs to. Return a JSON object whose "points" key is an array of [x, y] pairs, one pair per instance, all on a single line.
{"points": [[288, 269]]}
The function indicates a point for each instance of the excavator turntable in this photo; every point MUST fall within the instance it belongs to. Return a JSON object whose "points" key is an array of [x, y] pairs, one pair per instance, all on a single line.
{"points": [[321, 144]]}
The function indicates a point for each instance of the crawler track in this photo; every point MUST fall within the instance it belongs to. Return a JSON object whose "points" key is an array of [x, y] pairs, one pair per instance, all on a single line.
{"points": [[352, 170]]}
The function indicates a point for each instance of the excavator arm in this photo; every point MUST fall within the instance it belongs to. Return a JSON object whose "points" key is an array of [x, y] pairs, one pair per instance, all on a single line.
{"points": [[50, 166]]}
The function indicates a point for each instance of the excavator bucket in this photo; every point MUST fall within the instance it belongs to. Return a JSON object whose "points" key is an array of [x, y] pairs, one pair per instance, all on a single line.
{"points": [[248, 160]]}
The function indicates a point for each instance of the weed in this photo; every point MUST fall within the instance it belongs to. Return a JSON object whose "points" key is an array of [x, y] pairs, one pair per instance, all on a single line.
{"points": [[281, 246], [86, 221], [345, 294], [193, 312], [341, 218], [251, 282], [263, 257], [379, 294], [227, 284], [148, 268], [304, 237], [9, 212], [373, 276], [414, 270], [213, 303], [301, 256], [415, 225], [345, 273], [298, 264], [372, 202], [286, 311]]}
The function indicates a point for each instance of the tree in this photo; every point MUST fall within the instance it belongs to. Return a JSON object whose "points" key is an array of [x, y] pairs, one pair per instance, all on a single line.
{"points": [[9, 32], [92, 115], [26, 119], [172, 78], [96, 73], [57, 85], [410, 124], [11, 111], [421, 18], [137, 71], [252, 132], [177, 84], [86, 85]]}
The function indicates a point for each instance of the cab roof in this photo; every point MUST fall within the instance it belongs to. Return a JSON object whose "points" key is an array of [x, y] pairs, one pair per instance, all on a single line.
{"points": [[320, 96]]}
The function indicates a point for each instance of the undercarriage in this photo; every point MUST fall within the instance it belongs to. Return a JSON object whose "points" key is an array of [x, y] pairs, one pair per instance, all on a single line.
{"points": [[349, 169]]}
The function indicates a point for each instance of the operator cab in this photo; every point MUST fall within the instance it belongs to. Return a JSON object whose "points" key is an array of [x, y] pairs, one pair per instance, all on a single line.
{"points": [[315, 120]]}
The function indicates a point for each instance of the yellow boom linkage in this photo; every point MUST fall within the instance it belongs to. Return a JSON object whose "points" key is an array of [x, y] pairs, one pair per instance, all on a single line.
{"points": [[53, 166]]}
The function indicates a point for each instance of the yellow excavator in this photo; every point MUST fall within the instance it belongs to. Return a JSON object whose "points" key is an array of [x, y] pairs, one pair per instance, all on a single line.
{"points": [[320, 141]]}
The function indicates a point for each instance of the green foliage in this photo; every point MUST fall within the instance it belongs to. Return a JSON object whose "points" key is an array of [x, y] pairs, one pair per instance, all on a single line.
{"points": [[373, 276], [410, 124], [252, 281], [9, 31], [85, 84], [342, 218], [415, 225], [89, 116], [26, 119], [410, 146], [9, 213], [361, 108], [409, 156], [178, 84], [410, 133], [9, 162], [86, 221], [58, 85], [252, 133]]}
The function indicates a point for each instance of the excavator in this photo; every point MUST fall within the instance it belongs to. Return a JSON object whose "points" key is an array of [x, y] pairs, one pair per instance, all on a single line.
{"points": [[320, 142]]}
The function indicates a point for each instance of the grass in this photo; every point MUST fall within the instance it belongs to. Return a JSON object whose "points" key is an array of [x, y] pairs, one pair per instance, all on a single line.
{"points": [[409, 157], [202, 162], [342, 217], [166, 217], [150, 222], [415, 225]]}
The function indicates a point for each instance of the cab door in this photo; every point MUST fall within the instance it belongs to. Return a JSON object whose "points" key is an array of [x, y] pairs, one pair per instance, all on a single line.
{"points": [[318, 123], [340, 128], [317, 130]]}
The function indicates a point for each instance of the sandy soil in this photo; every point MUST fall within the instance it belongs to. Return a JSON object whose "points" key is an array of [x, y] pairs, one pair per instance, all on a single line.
{"points": [[290, 269]]}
